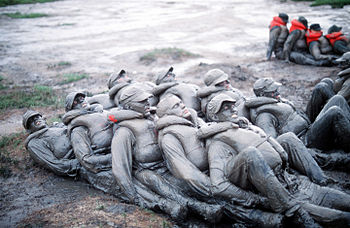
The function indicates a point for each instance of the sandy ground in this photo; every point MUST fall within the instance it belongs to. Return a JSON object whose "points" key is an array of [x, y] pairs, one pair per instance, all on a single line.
{"points": [[101, 37]]}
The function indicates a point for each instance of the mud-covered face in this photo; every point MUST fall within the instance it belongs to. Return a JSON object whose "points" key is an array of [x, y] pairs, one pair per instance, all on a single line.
{"points": [[169, 78], [274, 94], [228, 112], [140, 106], [80, 102], [225, 84], [123, 78], [177, 108], [36, 123]]}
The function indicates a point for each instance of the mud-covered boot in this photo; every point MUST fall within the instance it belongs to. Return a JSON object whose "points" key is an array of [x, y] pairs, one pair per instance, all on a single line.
{"points": [[303, 219], [175, 210], [210, 212]]}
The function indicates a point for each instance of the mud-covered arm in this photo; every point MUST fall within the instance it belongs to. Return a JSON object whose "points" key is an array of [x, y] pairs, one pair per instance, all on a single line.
{"points": [[268, 123], [81, 144], [42, 154], [289, 44], [122, 150], [181, 167], [273, 36], [218, 153], [315, 50]]}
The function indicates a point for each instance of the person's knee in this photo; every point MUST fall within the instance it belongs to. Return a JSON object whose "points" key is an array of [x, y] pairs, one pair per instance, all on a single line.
{"points": [[338, 100]]}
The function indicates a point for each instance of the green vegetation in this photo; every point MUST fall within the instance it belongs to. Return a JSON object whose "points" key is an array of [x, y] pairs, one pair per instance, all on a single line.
{"points": [[7, 144], [19, 15], [333, 3], [60, 64], [1, 85], [173, 53], [73, 77], [37, 96], [15, 2]]}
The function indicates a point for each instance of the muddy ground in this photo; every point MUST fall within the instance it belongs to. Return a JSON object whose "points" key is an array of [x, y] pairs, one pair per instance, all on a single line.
{"points": [[100, 37]]}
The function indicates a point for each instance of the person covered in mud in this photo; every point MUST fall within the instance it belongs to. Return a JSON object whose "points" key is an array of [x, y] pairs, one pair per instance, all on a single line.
{"points": [[277, 36], [49, 146], [187, 92], [275, 115], [118, 82], [136, 155], [216, 81], [318, 45], [295, 48], [243, 156], [187, 159], [338, 40]]}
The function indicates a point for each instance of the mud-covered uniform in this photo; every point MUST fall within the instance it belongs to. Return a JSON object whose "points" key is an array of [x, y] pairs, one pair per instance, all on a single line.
{"points": [[318, 45], [339, 42], [277, 36], [242, 157]]}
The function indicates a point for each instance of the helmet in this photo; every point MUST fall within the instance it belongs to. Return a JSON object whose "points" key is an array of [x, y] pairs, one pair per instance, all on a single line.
{"points": [[265, 85], [70, 99], [133, 94], [334, 28], [315, 27], [215, 103], [162, 76], [214, 77], [303, 20], [114, 77], [284, 17], [27, 116]]}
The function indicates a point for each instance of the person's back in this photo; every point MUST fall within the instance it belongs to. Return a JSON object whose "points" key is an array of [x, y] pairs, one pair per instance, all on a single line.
{"points": [[277, 35]]}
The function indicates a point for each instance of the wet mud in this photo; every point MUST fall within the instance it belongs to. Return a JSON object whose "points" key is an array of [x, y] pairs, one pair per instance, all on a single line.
{"points": [[101, 37]]}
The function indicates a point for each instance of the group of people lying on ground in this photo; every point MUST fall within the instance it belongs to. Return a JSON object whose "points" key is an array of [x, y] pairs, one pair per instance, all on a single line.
{"points": [[180, 149], [305, 45]]}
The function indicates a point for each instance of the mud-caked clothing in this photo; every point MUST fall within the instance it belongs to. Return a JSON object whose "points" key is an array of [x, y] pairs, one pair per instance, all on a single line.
{"points": [[51, 148], [255, 165], [277, 36], [295, 40], [318, 45], [339, 42], [102, 99], [187, 92]]}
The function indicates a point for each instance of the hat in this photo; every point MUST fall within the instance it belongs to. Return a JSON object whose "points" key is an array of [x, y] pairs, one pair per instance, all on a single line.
{"points": [[266, 85], [214, 77], [303, 20], [133, 94], [162, 76], [70, 99], [284, 17], [334, 28], [215, 103], [315, 27], [114, 77], [344, 58], [27, 116]]}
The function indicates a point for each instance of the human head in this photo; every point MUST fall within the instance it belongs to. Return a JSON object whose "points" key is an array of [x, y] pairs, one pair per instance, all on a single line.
{"points": [[172, 105], [303, 21], [115, 79], [284, 17], [266, 87], [135, 99], [315, 27], [76, 100], [216, 77], [221, 108], [169, 76], [334, 28], [33, 121]]}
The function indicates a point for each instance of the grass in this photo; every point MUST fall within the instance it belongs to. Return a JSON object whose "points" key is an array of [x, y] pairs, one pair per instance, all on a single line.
{"points": [[73, 77], [60, 64], [333, 3], [37, 96], [173, 53], [7, 144], [19, 15], [1, 85], [16, 2]]}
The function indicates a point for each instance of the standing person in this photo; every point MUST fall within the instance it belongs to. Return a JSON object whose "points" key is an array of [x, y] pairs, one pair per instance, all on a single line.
{"points": [[338, 40], [277, 36]]}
